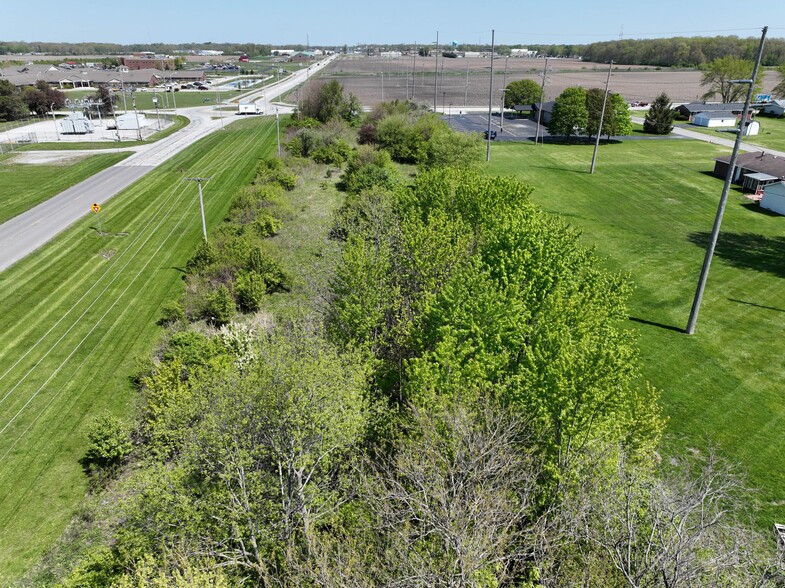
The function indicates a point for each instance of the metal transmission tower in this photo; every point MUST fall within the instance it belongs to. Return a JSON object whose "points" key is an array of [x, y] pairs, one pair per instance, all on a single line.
{"points": [[696, 303], [201, 201]]}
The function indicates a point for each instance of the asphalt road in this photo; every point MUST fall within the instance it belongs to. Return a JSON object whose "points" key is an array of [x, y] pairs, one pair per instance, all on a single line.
{"points": [[25, 233]]}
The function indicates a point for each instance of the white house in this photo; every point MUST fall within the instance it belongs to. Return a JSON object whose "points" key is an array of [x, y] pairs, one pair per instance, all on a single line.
{"points": [[774, 198], [714, 119]]}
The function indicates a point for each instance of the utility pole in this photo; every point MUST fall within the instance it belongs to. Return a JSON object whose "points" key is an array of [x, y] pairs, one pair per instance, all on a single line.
{"points": [[278, 132], [696, 303], [436, 74], [136, 114], [602, 118], [466, 85], [501, 111], [490, 97], [201, 202], [542, 97], [54, 119]]}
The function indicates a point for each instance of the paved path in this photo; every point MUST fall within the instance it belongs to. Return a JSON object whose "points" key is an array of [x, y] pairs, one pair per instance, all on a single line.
{"points": [[25, 233], [717, 140]]}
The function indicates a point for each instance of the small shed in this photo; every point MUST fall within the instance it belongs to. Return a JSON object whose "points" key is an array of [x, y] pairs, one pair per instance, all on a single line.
{"points": [[774, 198], [751, 127], [714, 119], [128, 121], [76, 123]]}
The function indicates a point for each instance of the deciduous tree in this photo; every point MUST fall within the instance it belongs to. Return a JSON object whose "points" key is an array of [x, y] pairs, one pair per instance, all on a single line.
{"points": [[521, 92], [719, 73], [570, 116]]}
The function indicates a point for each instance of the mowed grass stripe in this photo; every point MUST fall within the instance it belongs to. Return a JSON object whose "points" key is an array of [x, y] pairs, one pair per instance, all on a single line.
{"points": [[41, 480], [76, 346], [12, 418], [24, 185], [176, 204], [648, 210]]}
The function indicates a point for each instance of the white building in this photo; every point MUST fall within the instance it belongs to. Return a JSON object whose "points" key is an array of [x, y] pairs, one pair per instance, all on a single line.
{"points": [[128, 121], [714, 119], [522, 53], [774, 198]]}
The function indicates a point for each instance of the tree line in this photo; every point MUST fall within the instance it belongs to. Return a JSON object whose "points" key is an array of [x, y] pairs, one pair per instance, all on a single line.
{"points": [[458, 406], [12, 47]]}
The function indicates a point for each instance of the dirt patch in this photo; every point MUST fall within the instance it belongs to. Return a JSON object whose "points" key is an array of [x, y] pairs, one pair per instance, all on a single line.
{"points": [[45, 158]]}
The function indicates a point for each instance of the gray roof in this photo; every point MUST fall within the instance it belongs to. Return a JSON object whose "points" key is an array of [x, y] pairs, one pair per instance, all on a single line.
{"points": [[722, 114], [696, 107], [759, 162]]}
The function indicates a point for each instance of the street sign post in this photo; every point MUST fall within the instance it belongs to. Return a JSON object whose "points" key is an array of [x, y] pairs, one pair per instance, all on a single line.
{"points": [[96, 208]]}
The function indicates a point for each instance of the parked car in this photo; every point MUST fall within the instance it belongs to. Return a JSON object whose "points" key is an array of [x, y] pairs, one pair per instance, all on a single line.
{"points": [[203, 88], [493, 135]]}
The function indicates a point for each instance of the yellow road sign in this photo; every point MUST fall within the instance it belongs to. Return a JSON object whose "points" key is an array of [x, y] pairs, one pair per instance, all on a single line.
{"points": [[96, 208]]}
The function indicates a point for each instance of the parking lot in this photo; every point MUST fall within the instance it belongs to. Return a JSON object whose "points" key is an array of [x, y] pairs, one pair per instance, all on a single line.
{"points": [[512, 129]]}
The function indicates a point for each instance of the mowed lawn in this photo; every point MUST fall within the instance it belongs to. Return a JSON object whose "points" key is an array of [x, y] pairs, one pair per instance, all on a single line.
{"points": [[79, 315], [648, 210], [23, 186]]}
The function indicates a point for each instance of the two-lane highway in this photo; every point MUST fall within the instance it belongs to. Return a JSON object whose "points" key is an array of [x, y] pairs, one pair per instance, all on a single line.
{"points": [[25, 233]]}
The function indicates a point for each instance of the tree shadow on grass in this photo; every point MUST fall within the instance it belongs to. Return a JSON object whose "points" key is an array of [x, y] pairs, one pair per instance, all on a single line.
{"points": [[747, 250], [656, 324]]}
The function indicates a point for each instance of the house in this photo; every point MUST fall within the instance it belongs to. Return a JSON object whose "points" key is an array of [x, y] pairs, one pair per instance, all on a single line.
{"points": [[688, 111], [774, 108], [148, 61], [715, 119], [545, 107], [774, 197], [753, 170]]}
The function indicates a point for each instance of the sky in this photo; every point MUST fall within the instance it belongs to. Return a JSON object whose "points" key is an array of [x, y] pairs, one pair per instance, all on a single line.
{"points": [[339, 22]]}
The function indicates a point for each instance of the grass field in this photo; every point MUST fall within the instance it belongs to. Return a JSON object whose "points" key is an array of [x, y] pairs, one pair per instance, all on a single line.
{"points": [[79, 314], [771, 136], [23, 186], [649, 209]]}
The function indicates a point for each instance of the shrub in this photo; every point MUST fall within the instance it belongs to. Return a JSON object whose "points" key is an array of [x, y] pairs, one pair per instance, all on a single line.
{"points": [[220, 306], [266, 225], [368, 168], [251, 289], [110, 441], [205, 255]]}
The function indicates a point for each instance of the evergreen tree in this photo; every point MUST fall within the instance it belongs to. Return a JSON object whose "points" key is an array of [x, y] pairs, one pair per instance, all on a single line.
{"points": [[659, 119]]}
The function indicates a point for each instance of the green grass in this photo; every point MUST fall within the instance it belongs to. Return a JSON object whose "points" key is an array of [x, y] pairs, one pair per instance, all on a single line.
{"points": [[771, 136], [648, 210], [77, 316], [179, 123], [184, 99], [23, 186]]}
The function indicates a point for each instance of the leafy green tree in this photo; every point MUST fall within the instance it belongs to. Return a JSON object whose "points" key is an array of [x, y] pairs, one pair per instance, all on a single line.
{"points": [[718, 74], [570, 116], [326, 101], [105, 99], [521, 92], [220, 306], [779, 89], [659, 118], [12, 106], [617, 117]]}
